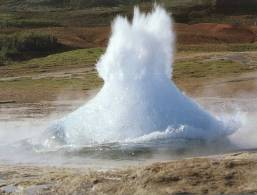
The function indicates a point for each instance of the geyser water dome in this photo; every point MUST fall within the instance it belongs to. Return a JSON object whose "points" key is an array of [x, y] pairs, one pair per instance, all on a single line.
{"points": [[138, 101]]}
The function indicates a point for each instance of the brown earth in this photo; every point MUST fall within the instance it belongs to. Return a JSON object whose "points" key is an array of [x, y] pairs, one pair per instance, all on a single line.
{"points": [[224, 174], [79, 37], [215, 33], [88, 37]]}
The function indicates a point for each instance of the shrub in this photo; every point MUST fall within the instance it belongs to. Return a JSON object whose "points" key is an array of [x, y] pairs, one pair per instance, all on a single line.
{"points": [[35, 42], [26, 23], [16, 45]]}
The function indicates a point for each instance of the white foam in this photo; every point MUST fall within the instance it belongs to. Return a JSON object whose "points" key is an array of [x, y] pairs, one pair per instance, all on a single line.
{"points": [[138, 100]]}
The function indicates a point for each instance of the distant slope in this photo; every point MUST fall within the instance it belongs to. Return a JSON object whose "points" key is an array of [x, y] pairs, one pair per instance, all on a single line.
{"points": [[182, 9], [232, 6], [81, 4], [71, 4], [177, 6]]}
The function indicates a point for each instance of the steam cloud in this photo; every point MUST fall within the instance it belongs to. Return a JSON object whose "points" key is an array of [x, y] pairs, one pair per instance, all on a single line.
{"points": [[138, 101]]}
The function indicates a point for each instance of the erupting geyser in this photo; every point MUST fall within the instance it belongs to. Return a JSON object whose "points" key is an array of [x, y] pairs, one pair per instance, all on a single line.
{"points": [[138, 100]]}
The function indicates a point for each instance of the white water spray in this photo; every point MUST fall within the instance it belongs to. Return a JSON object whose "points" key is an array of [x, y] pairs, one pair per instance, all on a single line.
{"points": [[138, 100]]}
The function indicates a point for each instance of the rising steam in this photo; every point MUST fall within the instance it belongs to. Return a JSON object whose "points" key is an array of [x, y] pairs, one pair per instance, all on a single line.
{"points": [[138, 101]]}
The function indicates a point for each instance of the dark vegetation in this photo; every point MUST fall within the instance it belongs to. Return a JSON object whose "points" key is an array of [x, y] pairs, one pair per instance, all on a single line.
{"points": [[26, 23], [9, 19], [236, 6], [21, 46]]}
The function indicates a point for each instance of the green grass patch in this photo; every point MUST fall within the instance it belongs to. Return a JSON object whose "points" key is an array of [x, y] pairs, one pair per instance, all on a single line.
{"points": [[27, 23], [13, 19], [75, 57], [194, 48], [90, 56], [199, 68], [90, 81]]}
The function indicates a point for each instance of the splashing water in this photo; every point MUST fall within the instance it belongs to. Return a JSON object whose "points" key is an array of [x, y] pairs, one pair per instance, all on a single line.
{"points": [[138, 101]]}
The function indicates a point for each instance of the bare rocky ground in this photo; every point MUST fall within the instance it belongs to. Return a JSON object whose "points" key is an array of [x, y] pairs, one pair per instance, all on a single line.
{"points": [[225, 174]]}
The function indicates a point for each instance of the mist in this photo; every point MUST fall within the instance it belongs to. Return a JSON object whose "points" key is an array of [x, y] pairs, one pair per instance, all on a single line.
{"points": [[138, 113]]}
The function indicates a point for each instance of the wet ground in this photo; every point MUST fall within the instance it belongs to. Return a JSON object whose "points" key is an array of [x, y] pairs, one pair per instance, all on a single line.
{"points": [[119, 169], [21, 122]]}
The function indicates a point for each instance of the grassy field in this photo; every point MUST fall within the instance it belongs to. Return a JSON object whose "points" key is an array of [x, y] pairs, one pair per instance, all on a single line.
{"points": [[73, 72], [56, 62], [88, 57], [195, 48], [49, 76]]}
